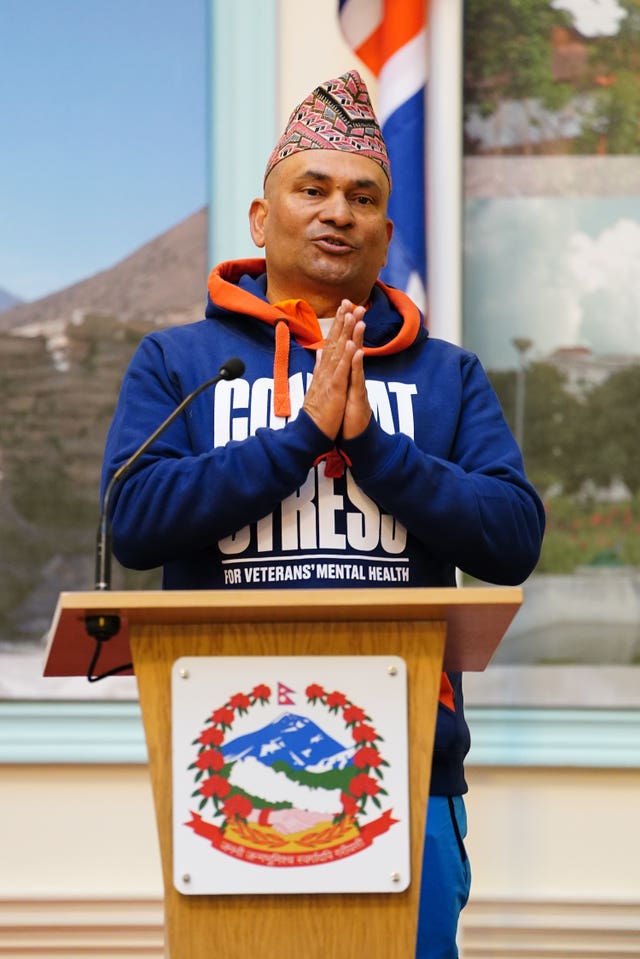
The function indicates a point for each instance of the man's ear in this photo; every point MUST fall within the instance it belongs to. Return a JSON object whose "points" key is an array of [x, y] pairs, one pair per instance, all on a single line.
{"points": [[257, 215], [389, 228]]}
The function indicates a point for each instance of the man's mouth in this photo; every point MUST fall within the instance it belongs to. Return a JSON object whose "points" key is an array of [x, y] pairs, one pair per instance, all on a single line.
{"points": [[336, 243]]}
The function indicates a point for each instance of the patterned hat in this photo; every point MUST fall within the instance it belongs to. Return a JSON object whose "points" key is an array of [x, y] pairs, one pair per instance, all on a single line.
{"points": [[337, 115]]}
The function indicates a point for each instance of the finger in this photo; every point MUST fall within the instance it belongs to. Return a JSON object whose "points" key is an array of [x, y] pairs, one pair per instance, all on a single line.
{"points": [[337, 327], [358, 332], [357, 384], [339, 337], [344, 318], [357, 408]]}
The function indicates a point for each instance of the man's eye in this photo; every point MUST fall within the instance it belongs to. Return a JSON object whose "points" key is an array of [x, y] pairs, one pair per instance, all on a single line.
{"points": [[364, 200], [311, 191]]}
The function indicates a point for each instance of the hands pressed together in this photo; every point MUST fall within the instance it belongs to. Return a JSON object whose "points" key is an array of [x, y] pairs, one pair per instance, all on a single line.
{"points": [[337, 399]]}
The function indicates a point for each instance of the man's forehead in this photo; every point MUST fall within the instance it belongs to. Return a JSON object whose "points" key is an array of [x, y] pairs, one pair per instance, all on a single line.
{"points": [[344, 167]]}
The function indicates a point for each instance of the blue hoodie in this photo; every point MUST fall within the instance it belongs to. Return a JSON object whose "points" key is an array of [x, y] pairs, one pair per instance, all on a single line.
{"points": [[234, 496]]}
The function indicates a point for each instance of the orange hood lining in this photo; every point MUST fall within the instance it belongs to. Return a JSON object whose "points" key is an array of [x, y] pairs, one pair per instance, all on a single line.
{"points": [[225, 293], [296, 318]]}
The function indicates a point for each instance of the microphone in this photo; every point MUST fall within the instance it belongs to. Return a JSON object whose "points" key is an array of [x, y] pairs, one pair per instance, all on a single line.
{"points": [[230, 370]]}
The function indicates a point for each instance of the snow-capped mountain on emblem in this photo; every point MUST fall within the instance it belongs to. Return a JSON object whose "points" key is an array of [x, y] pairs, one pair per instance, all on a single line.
{"points": [[293, 739]]}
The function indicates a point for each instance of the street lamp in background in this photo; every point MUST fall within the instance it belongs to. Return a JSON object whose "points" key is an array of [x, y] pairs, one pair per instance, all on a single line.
{"points": [[522, 346]]}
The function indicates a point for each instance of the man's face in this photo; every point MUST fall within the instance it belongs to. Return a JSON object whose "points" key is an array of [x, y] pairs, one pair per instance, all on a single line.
{"points": [[323, 223]]}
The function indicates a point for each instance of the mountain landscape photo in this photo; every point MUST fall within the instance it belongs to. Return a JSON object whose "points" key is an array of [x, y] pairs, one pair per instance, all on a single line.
{"points": [[62, 359], [7, 300]]}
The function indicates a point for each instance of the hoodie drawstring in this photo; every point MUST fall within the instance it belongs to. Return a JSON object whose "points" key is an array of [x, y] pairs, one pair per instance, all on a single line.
{"points": [[281, 397]]}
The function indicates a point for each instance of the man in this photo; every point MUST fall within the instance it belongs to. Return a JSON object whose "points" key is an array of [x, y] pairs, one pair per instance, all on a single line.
{"points": [[352, 439]]}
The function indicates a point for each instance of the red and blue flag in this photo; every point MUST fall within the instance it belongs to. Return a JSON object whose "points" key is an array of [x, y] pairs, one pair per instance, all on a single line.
{"points": [[390, 38]]}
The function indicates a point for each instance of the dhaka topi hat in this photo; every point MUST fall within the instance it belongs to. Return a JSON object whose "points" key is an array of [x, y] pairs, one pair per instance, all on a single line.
{"points": [[337, 115]]}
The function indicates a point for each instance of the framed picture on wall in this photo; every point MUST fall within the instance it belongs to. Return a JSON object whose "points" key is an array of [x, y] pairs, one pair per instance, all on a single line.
{"points": [[104, 147], [551, 261]]}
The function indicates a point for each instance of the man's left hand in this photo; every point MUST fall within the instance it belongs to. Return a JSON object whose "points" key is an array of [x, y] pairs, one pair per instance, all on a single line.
{"points": [[357, 412]]}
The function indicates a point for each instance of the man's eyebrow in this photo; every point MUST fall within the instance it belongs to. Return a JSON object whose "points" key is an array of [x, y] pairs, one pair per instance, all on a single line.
{"points": [[313, 175], [362, 183]]}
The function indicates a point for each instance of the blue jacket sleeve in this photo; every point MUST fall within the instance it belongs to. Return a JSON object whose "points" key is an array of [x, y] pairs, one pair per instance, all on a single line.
{"points": [[472, 507], [183, 496]]}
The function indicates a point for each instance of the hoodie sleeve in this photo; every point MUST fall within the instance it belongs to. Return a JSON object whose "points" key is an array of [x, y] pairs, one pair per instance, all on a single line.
{"points": [[182, 496], [472, 507]]}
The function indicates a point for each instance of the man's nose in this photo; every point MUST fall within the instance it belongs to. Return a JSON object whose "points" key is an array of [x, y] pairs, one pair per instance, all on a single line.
{"points": [[337, 209]]}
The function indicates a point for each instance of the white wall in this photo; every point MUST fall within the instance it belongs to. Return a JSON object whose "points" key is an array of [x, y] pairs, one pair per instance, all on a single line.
{"points": [[554, 857], [80, 867]]}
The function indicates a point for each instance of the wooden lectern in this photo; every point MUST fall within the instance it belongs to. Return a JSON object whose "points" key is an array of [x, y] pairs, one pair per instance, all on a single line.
{"points": [[431, 629]]}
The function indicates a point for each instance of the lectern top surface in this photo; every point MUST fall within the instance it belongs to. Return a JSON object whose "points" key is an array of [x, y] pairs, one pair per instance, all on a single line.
{"points": [[476, 617]]}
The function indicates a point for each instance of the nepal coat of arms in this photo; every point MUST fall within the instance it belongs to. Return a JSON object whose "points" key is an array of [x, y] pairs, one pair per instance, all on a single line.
{"points": [[290, 774]]}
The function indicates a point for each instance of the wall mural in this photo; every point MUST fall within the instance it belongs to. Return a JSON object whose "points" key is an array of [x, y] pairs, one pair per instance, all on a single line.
{"points": [[104, 146], [552, 299], [108, 239]]}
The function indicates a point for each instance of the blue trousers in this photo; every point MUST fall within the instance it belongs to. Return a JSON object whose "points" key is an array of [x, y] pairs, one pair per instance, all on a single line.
{"points": [[446, 878]]}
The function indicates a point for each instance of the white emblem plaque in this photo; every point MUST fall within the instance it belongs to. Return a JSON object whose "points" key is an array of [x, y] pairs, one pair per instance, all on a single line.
{"points": [[290, 774]]}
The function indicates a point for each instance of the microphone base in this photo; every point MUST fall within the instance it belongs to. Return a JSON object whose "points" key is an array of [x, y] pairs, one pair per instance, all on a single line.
{"points": [[101, 627]]}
